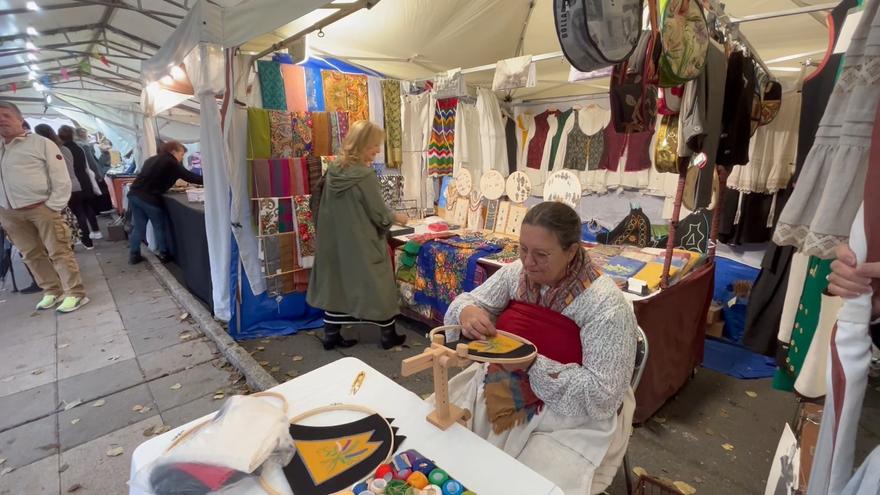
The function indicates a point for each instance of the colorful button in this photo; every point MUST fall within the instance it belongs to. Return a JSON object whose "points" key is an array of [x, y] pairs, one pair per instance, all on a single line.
{"points": [[378, 486], [432, 490], [418, 480], [385, 472], [360, 487], [396, 487], [452, 487], [424, 466], [438, 477]]}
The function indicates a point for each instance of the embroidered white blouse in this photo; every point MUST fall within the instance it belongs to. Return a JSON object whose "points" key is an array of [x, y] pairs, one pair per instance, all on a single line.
{"points": [[597, 386]]}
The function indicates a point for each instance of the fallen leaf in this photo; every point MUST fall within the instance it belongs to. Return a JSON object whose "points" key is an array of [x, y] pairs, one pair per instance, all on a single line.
{"points": [[265, 341], [724, 413], [417, 344], [74, 488], [74, 421], [310, 332], [113, 358], [176, 386], [263, 363], [397, 348], [10, 378], [145, 410], [185, 336], [137, 408], [71, 405], [2, 461], [161, 429], [684, 488], [727, 447], [291, 374], [62, 346], [275, 369], [698, 480], [63, 468], [261, 348], [108, 341], [660, 419], [37, 372], [149, 431], [219, 395], [640, 471], [751, 394], [5, 472], [710, 431], [187, 355], [297, 358], [115, 452], [99, 403], [184, 316]]}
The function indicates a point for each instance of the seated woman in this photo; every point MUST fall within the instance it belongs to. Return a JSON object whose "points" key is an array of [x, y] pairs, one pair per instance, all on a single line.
{"points": [[559, 414]]}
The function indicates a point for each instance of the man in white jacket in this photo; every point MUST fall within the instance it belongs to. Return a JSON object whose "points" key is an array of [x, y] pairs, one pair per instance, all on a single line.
{"points": [[34, 189]]}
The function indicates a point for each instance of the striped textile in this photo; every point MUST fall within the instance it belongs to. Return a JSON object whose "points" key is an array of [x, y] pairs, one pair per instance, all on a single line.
{"points": [[344, 319], [441, 147]]}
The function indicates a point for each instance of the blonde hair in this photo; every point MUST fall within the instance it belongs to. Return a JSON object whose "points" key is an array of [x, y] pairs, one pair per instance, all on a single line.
{"points": [[361, 134]]}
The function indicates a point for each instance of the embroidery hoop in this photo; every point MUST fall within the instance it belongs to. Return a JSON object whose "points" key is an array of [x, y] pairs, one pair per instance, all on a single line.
{"points": [[563, 186], [492, 185], [440, 358], [513, 193], [464, 182], [350, 408]]}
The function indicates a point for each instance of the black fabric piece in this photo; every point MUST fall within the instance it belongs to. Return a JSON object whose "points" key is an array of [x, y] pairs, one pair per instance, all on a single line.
{"points": [[158, 174], [510, 138], [752, 227], [520, 352], [171, 479], [80, 169], [344, 319], [875, 334], [634, 230], [692, 233], [298, 475], [739, 91], [817, 89], [191, 262], [767, 299]]}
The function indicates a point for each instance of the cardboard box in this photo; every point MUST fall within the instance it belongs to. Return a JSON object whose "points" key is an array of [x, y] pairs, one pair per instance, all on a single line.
{"points": [[715, 329], [714, 315]]}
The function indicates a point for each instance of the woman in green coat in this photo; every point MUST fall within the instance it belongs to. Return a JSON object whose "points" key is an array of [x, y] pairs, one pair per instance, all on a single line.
{"points": [[352, 279]]}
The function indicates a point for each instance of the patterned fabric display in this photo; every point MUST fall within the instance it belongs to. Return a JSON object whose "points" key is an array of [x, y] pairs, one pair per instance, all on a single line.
{"points": [[448, 267], [271, 85], [294, 87], [441, 146], [279, 178], [271, 255], [347, 93], [301, 125], [280, 134], [392, 188], [305, 231], [268, 217], [344, 120], [393, 127], [313, 164], [322, 142], [335, 142], [314, 89], [285, 215], [259, 145]]}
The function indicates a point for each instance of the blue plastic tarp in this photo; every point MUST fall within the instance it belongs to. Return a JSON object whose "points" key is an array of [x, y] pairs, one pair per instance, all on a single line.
{"points": [[728, 271], [736, 361], [260, 316]]}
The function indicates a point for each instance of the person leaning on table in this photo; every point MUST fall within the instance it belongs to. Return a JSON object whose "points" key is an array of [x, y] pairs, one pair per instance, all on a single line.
{"points": [[560, 414], [34, 189], [352, 279]]}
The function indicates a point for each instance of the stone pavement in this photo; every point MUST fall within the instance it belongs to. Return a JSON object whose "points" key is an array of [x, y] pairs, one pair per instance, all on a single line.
{"points": [[73, 387]]}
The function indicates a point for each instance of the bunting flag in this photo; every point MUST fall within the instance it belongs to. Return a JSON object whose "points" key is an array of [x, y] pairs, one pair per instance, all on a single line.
{"points": [[105, 61], [14, 87], [64, 74], [85, 67]]}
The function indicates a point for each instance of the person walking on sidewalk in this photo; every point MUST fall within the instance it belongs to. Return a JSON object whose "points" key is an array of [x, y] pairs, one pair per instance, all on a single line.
{"points": [[81, 201], [34, 188], [159, 173]]}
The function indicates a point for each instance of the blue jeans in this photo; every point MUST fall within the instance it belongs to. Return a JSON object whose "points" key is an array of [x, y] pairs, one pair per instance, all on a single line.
{"points": [[141, 212]]}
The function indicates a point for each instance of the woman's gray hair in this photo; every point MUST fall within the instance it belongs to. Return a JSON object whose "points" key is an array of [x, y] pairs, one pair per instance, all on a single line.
{"points": [[558, 218]]}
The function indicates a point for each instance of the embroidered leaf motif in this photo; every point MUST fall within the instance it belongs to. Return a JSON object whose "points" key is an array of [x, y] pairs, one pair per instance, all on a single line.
{"points": [[325, 459]]}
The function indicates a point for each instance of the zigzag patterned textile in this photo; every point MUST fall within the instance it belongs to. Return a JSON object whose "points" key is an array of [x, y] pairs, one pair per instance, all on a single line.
{"points": [[441, 148]]}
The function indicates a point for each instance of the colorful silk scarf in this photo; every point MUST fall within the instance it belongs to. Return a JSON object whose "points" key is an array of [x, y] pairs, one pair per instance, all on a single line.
{"points": [[301, 123], [271, 85], [314, 89], [334, 90], [281, 134], [393, 127], [344, 119], [578, 277], [305, 231], [259, 144], [335, 142], [441, 145], [510, 400], [448, 267], [294, 87], [322, 142], [346, 93]]}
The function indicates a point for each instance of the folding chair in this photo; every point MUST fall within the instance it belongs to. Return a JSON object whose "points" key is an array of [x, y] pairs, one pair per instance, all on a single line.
{"points": [[641, 361]]}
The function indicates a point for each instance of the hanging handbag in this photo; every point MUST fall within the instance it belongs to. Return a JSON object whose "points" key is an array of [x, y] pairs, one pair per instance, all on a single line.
{"points": [[684, 34], [633, 91], [594, 34], [666, 148]]}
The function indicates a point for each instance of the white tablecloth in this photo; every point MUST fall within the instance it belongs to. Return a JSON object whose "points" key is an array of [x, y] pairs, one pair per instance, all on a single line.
{"points": [[478, 465]]}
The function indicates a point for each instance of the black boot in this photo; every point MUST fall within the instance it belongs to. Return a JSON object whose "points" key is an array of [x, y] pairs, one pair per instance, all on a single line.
{"points": [[332, 338], [390, 338]]}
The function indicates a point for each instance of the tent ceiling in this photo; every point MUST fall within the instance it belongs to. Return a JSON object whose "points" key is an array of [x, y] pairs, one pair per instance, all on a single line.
{"points": [[400, 38]]}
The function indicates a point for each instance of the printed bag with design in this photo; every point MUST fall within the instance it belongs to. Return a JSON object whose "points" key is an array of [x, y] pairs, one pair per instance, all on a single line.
{"points": [[633, 92], [685, 37], [597, 33], [666, 150]]}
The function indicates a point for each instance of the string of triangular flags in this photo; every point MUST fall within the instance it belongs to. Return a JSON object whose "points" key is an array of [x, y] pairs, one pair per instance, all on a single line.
{"points": [[83, 68]]}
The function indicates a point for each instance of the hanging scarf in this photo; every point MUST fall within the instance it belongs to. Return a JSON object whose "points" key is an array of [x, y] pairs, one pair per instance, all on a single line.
{"points": [[579, 275]]}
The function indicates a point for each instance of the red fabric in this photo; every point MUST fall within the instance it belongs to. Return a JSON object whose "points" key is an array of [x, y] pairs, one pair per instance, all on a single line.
{"points": [[636, 145], [539, 140], [214, 477], [838, 384], [556, 337]]}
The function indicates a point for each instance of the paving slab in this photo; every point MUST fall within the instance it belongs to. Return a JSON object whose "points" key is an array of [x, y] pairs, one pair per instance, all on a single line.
{"points": [[194, 383], [28, 405], [87, 355], [94, 422], [26, 379], [195, 409], [29, 442], [101, 382], [28, 355], [147, 340], [38, 478], [22, 324], [175, 358], [98, 474], [74, 324]]}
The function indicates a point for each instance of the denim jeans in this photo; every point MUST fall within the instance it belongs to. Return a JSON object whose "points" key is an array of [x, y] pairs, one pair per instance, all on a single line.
{"points": [[141, 212]]}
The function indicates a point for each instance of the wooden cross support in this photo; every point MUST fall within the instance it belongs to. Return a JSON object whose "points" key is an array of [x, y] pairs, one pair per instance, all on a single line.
{"points": [[440, 358]]}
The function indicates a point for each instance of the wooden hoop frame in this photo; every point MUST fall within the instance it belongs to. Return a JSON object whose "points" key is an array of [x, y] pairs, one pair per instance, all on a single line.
{"points": [[483, 359]]}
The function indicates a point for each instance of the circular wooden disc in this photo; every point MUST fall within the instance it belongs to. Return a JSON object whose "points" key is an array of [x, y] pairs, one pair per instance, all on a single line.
{"points": [[563, 186], [483, 359], [464, 182], [519, 187], [492, 184]]}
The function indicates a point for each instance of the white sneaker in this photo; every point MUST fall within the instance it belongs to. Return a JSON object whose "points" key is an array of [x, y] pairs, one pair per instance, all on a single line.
{"points": [[96, 235]]}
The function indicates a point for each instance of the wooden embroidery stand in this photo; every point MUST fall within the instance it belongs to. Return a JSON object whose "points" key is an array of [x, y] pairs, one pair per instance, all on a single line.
{"points": [[440, 358]]}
